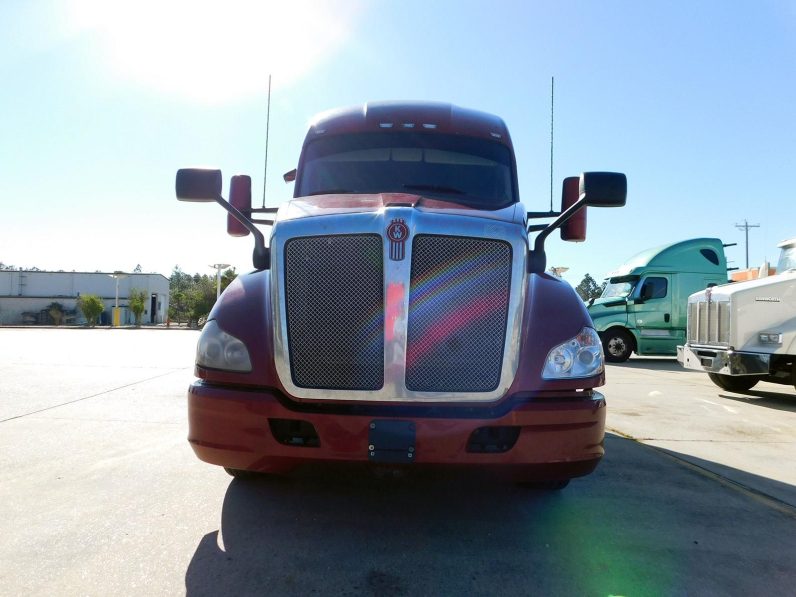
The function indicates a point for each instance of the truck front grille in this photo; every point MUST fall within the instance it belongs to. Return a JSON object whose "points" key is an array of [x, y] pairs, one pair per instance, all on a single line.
{"points": [[458, 309], [334, 295], [709, 323]]}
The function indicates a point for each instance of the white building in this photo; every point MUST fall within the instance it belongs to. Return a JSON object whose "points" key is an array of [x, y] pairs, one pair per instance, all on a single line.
{"points": [[26, 295]]}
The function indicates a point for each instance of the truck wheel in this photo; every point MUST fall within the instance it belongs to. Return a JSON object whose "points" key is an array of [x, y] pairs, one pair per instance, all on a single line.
{"points": [[617, 345], [734, 383]]}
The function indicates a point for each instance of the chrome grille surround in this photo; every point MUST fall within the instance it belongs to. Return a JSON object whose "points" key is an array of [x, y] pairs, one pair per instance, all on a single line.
{"points": [[709, 322], [504, 227]]}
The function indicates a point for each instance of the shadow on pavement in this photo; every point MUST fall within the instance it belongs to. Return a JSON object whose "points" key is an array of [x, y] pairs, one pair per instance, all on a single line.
{"points": [[641, 524], [763, 487], [785, 400]]}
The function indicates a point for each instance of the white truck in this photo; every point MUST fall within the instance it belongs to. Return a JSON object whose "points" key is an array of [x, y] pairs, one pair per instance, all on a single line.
{"points": [[745, 332]]}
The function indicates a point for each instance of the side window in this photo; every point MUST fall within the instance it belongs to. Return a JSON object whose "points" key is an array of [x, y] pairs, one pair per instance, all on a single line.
{"points": [[654, 288], [710, 255]]}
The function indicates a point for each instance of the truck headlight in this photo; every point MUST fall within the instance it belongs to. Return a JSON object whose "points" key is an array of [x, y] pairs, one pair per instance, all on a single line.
{"points": [[217, 349], [581, 356], [770, 338]]}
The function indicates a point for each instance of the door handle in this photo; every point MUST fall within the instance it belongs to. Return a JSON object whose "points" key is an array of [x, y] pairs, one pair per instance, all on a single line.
{"points": [[666, 317]]}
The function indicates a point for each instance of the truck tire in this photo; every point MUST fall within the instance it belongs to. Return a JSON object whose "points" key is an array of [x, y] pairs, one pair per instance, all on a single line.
{"points": [[617, 345], [733, 383], [241, 474], [793, 375]]}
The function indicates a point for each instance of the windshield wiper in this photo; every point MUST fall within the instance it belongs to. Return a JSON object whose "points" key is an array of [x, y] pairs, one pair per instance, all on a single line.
{"points": [[332, 192], [434, 188]]}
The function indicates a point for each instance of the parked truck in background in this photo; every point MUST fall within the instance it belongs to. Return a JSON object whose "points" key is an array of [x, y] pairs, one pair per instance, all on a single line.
{"points": [[745, 332], [643, 306], [399, 313]]}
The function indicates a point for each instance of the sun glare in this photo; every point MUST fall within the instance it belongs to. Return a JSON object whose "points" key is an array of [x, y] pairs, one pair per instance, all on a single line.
{"points": [[215, 52]]}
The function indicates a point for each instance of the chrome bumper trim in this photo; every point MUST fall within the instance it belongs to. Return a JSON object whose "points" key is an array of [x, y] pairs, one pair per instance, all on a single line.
{"points": [[724, 361]]}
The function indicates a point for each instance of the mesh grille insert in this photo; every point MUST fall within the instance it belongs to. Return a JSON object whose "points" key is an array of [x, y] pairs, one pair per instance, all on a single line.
{"points": [[458, 310], [335, 311]]}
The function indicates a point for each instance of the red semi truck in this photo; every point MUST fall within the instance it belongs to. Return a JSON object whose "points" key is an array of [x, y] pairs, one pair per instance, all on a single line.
{"points": [[399, 313]]}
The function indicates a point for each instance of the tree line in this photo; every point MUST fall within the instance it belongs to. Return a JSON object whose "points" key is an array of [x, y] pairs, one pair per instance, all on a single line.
{"points": [[589, 288], [192, 296]]}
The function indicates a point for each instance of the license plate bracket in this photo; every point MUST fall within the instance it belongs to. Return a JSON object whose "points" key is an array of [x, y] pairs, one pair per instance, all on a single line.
{"points": [[391, 441]]}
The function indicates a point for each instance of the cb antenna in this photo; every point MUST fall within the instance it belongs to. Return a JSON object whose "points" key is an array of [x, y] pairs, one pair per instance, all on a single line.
{"points": [[267, 129], [552, 104]]}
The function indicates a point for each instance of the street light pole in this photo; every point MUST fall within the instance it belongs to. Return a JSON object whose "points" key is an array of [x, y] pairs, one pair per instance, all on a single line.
{"points": [[117, 275], [219, 267]]}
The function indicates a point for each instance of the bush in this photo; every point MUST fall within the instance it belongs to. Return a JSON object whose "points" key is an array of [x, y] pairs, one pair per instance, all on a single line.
{"points": [[56, 311], [91, 306], [137, 304]]}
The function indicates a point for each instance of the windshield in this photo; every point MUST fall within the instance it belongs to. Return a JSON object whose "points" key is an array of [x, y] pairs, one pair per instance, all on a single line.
{"points": [[466, 170], [787, 259], [619, 287]]}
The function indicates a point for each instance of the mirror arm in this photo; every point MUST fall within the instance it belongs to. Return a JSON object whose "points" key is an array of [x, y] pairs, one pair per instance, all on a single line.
{"points": [[542, 214], [537, 260], [261, 258]]}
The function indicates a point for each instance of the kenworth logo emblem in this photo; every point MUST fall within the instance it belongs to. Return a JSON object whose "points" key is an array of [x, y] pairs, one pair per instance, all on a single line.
{"points": [[397, 233]]}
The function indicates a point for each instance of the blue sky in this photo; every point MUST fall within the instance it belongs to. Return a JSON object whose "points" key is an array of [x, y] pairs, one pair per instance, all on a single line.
{"points": [[694, 101]]}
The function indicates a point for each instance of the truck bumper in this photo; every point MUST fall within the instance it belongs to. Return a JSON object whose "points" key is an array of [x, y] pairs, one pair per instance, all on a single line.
{"points": [[722, 360], [553, 438]]}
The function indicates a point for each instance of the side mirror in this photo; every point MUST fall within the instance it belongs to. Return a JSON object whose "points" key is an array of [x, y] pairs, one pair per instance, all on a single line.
{"points": [[603, 189], [198, 184], [240, 197], [289, 176], [574, 229]]}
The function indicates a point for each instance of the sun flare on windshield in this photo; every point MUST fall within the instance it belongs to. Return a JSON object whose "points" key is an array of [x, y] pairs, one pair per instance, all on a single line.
{"points": [[212, 52]]}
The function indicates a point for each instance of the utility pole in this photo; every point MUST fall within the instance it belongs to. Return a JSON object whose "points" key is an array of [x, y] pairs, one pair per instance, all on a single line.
{"points": [[746, 226]]}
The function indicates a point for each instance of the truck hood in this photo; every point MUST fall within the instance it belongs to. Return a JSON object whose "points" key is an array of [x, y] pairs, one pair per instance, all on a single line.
{"points": [[756, 306], [609, 303], [606, 312], [765, 288], [329, 205]]}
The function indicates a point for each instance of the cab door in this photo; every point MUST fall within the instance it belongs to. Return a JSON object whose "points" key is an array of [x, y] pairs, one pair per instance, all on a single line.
{"points": [[651, 310]]}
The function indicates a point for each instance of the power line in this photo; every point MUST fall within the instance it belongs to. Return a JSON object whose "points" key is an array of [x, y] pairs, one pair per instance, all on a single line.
{"points": [[746, 226]]}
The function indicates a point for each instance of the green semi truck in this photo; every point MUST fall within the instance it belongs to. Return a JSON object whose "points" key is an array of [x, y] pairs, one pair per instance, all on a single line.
{"points": [[643, 307]]}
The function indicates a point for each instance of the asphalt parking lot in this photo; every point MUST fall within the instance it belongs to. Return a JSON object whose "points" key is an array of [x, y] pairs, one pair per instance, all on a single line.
{"points": [[102, 495]]}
